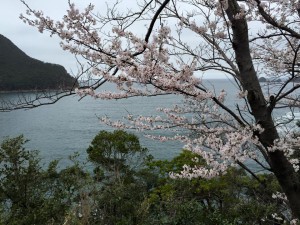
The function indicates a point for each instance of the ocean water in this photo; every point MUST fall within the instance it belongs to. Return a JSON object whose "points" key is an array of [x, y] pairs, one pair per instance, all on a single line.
{"points": [[69, 126]]}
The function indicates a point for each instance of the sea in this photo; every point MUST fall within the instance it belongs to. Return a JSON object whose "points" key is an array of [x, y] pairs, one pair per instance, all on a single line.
{"points": [[68, 126]]}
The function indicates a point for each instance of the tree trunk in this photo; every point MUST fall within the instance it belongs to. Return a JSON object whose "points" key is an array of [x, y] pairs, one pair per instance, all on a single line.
{"points": [[283, 170]]}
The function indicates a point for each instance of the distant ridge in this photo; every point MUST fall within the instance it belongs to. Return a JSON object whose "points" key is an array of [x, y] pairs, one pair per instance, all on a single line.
{"points": [[18, 71]]}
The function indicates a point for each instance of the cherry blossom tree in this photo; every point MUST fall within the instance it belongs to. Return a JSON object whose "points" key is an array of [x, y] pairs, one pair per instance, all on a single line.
{"points": [[161, 47]]}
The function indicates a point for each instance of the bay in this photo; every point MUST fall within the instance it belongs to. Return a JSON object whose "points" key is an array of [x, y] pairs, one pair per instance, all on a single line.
{"points": [[69, 125]]}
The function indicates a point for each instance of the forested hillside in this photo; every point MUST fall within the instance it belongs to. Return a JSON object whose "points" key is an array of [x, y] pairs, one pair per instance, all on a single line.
{"points": [[21, 72]]}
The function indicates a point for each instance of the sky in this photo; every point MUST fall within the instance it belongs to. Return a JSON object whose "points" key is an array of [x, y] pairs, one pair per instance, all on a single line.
{"points": [[28, 39], [42, 46]]}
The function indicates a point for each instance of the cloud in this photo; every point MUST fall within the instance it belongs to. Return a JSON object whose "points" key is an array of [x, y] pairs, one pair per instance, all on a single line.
{"points": [[42, 46], [28, 39]]}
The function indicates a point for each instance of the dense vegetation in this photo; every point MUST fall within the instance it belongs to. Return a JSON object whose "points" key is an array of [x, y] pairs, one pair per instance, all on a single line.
{"points": [[20, 72], [128, 187]]}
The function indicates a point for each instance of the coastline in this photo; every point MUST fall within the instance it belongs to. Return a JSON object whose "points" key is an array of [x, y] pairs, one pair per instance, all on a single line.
{"points": [[35, 91]]}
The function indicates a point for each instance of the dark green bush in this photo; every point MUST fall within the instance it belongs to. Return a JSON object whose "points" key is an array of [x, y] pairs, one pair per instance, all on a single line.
{"points": [[31, 194], [127, 187]]}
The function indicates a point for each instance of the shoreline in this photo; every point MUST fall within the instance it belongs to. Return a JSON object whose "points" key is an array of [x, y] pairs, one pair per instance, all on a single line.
{"points": [[35, 91]]}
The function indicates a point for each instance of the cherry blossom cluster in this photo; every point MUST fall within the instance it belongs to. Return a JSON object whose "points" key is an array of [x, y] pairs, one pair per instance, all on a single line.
{"points": [[287, 145], [294, 222], [220, 146], [279, 195], [164, 63], [79, 37], [242, 94], [137, 59], [276, 217]]}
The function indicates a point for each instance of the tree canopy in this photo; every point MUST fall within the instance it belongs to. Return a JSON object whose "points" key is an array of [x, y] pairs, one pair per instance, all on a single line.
{"points": [[32, 193], [182, 40]]}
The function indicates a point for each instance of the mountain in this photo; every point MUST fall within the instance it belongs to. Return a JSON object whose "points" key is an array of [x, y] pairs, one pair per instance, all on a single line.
{"points": [[296, 80], [21, 72], [274, 79], [262, 79]]}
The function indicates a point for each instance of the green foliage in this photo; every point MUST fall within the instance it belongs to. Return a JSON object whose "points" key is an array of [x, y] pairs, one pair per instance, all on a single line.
{"points": [[176, 164], [20, 174], [119, 161], [134, 189], [115, 153], [30, 194], [119, 203], [233, 198]]}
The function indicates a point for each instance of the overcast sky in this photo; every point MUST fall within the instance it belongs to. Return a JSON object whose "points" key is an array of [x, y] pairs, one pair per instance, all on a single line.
{"points": [[28, 39], [42, 46]]}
